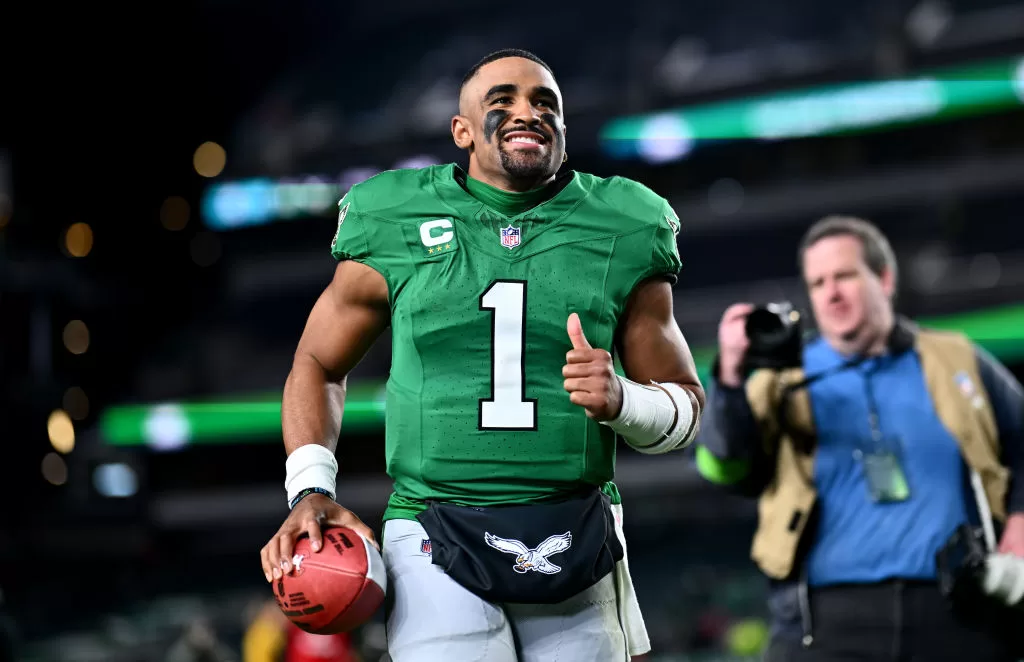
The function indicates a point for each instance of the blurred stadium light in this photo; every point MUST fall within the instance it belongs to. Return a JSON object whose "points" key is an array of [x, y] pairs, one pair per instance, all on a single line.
{"points": [[115, 480], [174, 425], [243, 203], [939, 95]]}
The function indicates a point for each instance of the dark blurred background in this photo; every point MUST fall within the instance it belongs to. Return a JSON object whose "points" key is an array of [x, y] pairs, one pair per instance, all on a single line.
{"points": [[168, 181]]}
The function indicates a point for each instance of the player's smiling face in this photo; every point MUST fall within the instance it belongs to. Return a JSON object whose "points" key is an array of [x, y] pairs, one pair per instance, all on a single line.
{"points": [[511, 122]]}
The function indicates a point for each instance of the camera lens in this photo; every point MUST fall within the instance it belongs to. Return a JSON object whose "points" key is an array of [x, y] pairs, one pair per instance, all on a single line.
{"points": [[766, 328], [776, 341]]}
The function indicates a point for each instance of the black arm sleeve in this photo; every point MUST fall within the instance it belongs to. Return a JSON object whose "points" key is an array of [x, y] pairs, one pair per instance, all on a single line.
{"points": [[729, 451], [1007, 398]]}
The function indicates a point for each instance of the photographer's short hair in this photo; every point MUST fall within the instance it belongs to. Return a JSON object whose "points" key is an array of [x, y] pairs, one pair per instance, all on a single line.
{"points": [[878, 253]]}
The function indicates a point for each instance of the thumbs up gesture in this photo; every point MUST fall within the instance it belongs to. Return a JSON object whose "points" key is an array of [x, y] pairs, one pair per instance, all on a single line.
{"points": [[590, 376]]}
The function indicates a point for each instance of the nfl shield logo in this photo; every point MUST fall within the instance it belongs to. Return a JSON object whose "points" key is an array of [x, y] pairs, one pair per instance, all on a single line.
{"points": [[510, 237], [425, 546], [965, 384]]}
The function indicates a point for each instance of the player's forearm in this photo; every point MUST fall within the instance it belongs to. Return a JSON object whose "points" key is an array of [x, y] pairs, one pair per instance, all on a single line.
{"points": [[657, 417], [312, 406]]}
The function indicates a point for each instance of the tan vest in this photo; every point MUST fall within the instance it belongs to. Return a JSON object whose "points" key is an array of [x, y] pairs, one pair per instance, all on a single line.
{"points": [[950, 369]]}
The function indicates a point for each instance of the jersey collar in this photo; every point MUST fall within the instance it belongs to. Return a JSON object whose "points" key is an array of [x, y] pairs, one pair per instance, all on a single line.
{"points": [[449, 184]]}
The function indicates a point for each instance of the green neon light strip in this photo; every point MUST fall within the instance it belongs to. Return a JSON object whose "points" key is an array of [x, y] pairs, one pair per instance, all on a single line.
{"points": [[835, 109], [172, 424], [258, 419]]}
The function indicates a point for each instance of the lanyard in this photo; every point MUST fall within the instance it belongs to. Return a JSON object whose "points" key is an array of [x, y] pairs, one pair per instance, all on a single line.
{"points": [[873, 422], [876, 429]]}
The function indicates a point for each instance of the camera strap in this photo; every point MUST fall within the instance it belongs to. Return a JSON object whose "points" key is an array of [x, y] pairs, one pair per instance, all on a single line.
{"points": [[810, 379], [984, 512], [901, 338]]}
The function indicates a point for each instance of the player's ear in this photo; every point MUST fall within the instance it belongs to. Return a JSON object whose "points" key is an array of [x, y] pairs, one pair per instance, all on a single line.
{"points": [[462, 133]]}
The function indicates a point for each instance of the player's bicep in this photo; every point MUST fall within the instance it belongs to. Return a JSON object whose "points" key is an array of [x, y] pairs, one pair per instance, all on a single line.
{"points": [[651, 346], [349, 316]]}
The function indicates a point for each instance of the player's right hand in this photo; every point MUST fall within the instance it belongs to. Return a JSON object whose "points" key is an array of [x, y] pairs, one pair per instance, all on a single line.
{"points": [[733, 343], [308, 517]]}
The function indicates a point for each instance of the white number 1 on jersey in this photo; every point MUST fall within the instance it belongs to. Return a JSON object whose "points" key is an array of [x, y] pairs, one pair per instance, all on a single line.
{"points": [[507, 408]]}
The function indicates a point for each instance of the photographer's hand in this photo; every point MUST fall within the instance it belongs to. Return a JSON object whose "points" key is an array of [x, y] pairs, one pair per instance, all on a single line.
{"points": [[733, 344], [1013, 536]]}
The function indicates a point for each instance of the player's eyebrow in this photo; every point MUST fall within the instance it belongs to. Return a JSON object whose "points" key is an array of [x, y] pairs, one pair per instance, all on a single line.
{"points": [[504, 88], [543, 91]]}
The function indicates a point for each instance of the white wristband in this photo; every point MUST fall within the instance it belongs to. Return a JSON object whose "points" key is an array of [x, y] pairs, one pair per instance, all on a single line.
{"points": [[310, 465], [654, 419]]}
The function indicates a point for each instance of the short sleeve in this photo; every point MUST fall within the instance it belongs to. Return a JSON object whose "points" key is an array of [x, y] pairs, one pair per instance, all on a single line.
{"points": [[665, 254], [369, 240], [349, 241]]}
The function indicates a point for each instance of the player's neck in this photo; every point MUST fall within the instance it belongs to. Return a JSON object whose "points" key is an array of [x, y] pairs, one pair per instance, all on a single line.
{"points": [[506, 183], [507, 202]]}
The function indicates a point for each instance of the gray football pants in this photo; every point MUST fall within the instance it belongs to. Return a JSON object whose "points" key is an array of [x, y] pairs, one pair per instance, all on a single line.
{"points": [[431, 618]]}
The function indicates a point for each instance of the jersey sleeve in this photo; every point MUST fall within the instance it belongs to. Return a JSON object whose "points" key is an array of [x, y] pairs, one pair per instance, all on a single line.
{"points": [[350, 242], [368, 239], [665, 251]]}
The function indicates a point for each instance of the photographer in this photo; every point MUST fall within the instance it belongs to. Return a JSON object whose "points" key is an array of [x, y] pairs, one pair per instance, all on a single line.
{"points": [[861, 446]]}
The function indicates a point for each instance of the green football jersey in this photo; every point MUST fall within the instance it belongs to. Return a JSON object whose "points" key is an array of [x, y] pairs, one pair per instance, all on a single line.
{"points": [[476, 412]]}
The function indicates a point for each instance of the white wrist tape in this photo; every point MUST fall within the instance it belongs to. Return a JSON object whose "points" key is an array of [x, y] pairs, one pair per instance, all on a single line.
{"points": [[311, 465], [654, 419]]}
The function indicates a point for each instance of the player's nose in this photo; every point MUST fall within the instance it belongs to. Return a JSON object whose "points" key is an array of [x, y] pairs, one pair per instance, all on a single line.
{"points": [[526, 112]]}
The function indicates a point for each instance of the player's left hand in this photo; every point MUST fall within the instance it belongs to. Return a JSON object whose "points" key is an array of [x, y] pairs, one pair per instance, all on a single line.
{"points": [[1013, 536], [590, 376]]}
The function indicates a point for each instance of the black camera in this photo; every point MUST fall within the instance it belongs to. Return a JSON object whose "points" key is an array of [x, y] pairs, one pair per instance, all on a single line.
{"points": [[776, 338], [985, 590], [961, 566]]}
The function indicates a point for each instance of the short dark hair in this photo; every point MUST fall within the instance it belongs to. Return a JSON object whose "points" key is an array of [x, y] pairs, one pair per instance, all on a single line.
{"points": [[501, 55], [878, 253]]}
